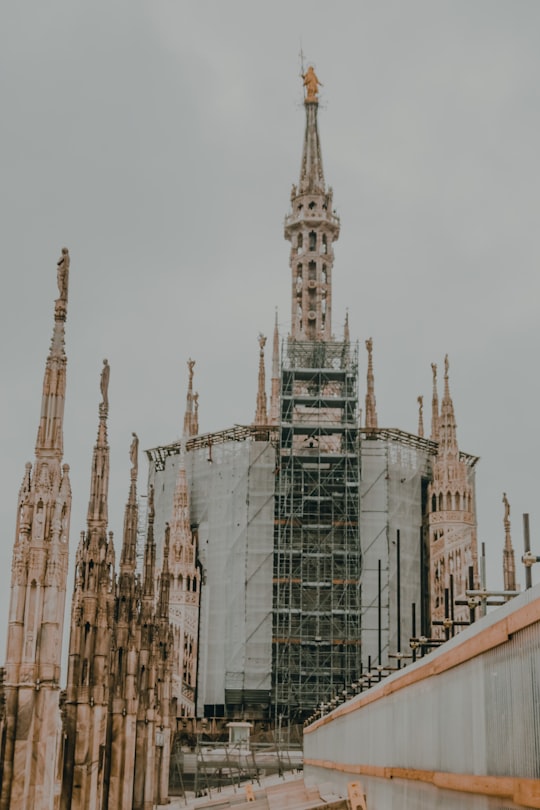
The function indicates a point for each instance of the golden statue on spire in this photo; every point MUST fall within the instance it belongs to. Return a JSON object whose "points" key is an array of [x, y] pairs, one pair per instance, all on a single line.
{"points": [[311, 83]]}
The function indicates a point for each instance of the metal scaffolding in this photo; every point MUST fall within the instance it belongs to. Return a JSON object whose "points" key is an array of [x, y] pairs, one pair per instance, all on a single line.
{"points": [[317, 560]]}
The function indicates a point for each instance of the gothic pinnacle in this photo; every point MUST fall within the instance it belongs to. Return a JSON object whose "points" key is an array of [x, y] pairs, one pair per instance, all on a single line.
{"points": [[38, 589], [261, 416], [149, 566], [447, 422], [99, 485], [164, 578], [311, 173], [276, 377], [446, 377], [128, 559], [50, 432], [312, 228], [371, 408], [191, 418]]}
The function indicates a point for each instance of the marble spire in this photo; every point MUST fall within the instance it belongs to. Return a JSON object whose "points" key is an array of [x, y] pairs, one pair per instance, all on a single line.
{"points": [[311, 228], [261, 415], [38, 589], [371, 406]]}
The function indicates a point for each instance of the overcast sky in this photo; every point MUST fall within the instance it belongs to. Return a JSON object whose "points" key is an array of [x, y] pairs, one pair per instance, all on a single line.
{"points": [[159, 142]]}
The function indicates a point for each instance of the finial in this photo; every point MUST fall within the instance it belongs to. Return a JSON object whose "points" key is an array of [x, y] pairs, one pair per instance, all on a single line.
{"points": [[434, 406], [134, 456], [62, 274], [420, 401], [311, 84], [150, 508], [346, 332], [62, 278], [191, 424], [446, 377], [262, 343], [446, 368], [506, 518], [166, 545], [446, 396], [104, 384], [99, 482]]}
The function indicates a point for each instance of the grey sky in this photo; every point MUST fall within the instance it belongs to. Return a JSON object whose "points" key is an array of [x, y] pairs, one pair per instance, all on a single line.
{"points": [[159, 142]]}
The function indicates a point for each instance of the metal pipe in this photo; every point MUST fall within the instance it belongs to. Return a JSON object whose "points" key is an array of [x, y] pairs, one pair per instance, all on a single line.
{"points": [[452, 616], [379, 616], [414, 629], [527, 550], [424, 585], [483, 577], [446, 612], [472, 606], [398, 551]]}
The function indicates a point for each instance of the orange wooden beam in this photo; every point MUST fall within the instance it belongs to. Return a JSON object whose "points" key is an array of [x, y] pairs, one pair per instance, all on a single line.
{"points": [[523, 792]]}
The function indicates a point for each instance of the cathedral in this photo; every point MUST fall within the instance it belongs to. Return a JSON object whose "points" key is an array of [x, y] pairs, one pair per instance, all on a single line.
{"points": [[318, 542], [280, 559]]}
